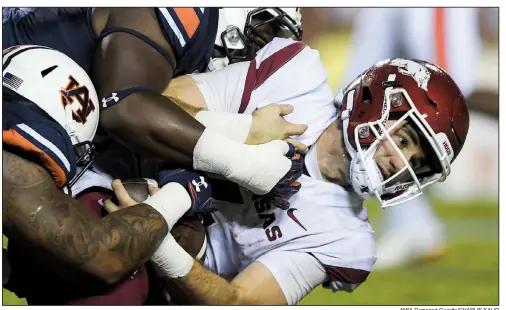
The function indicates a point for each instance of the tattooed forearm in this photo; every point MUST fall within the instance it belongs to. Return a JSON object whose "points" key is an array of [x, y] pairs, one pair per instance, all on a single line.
{"points": [[41, 216]]}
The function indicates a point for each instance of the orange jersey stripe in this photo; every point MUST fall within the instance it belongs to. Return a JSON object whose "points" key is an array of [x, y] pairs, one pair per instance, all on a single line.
{"points": [[189, 19], [440, 37], [13, 138]]}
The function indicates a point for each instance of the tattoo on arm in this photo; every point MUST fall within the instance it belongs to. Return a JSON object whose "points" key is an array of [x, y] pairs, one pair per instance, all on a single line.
{"points": [[41, 216]]}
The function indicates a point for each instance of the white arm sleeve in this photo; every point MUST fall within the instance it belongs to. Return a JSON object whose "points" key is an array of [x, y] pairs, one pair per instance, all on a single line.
{"points": [[297, 273], [222, 89]]}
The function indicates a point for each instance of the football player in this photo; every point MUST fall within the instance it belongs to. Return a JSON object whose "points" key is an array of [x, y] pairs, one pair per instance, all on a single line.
{"points": [[450, 38], [401, 124], [50, 114], [133, 53]]}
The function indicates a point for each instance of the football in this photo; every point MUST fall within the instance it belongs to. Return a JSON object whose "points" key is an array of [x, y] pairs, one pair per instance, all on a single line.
{"points": [[189, 232], [136, 188]]}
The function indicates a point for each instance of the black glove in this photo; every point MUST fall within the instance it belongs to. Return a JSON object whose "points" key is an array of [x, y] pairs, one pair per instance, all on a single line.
{"points": [[195, 184], [288, 185]]}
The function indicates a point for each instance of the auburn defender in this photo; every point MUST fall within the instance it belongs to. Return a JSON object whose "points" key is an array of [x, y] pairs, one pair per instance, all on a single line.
{"points": [[56, 243]]}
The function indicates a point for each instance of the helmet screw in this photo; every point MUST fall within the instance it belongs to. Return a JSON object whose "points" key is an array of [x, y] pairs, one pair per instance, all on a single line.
{"points": [[396, 100], [232, 34], [363, 132]]}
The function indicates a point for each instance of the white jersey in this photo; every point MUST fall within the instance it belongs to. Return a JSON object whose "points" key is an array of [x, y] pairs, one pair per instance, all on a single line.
{"points": [[325, 236]]}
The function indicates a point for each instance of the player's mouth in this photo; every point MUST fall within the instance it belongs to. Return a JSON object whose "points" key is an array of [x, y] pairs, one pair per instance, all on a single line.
{"points": [[384, 171]]}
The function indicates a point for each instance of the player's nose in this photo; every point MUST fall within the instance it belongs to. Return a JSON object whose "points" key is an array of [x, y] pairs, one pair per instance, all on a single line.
{"points": [[396, 161]]}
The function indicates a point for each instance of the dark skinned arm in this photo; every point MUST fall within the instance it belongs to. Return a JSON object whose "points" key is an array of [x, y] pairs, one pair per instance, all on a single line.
{"points": [[80, 248], [147, 122]]}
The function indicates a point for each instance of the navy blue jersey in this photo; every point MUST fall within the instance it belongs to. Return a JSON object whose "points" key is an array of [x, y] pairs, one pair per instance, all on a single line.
{"points": [[190, 31], [27, 130], [67, 30]]}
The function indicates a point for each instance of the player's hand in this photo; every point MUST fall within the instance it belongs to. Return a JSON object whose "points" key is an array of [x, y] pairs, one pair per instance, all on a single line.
{"points": [[288, 185], [196, 185], [123, 198], [268, 125], [264, 166]]}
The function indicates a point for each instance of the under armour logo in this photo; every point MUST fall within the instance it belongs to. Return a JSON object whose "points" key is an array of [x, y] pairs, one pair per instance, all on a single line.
{"points": [[198, 185], [114, 96]]}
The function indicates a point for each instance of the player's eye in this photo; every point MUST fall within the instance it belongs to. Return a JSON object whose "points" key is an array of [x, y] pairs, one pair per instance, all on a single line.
{"points": [[403, 141]]}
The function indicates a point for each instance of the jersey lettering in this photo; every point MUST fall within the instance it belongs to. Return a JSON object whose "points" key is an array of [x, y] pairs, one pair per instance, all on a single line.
{"points": [[273, 233], [261, 206]]}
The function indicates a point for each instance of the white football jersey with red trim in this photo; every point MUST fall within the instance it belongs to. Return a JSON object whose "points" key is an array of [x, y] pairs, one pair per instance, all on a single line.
{"points": [[325, 223]]}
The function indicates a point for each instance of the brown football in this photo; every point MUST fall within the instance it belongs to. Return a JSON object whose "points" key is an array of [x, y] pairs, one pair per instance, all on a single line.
{"points": [[189, 232]]}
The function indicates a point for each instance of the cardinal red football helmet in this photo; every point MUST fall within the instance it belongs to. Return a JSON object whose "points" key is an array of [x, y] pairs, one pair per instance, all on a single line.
{"points": [[403, 90]]}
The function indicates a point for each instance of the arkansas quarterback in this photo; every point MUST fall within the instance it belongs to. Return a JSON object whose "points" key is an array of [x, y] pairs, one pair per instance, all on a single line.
{"points": [[402, 122]]}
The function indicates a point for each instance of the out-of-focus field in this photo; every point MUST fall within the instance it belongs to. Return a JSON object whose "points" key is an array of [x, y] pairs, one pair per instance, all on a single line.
{"points": [[467, 275]]}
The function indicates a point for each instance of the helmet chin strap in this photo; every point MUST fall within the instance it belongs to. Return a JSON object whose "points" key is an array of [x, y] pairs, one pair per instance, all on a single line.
{"points": [[361, 181], [71, 125], [75, 140], [217, 63]]}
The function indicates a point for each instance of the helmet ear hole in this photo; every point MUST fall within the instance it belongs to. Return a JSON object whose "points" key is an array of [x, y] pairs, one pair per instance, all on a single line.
{"points": [[431, 102], [366, 95]]}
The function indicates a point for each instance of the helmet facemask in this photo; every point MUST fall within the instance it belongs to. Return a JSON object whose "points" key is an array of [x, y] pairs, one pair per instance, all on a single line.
{"points": [[367, 177], [264, 24], [261, 26]]}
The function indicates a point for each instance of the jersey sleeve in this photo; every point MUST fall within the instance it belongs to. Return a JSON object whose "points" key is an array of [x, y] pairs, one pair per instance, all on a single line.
{"points": [[179, 25], [222, 89], [349, 263], [38, 138], [191, 32], [284, 71], [290, 72], [297, 273]]}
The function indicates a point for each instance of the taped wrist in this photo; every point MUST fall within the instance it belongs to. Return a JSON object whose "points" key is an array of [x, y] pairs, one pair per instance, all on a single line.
{"points": [[171, 201], [231, 125], [216, 153], [170, 260]]}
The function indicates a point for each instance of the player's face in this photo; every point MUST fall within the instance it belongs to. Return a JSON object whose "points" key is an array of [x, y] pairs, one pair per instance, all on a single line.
{"points": [[408, 141]]}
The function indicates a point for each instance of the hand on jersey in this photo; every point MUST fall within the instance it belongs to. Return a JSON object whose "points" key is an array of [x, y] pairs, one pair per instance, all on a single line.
{"points": [[288, 185], [269, 124], [269, 169], [196, 185]]}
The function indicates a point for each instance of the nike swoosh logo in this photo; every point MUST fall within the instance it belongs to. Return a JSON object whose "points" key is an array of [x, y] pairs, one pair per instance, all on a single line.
{"points": [[292, 216]]}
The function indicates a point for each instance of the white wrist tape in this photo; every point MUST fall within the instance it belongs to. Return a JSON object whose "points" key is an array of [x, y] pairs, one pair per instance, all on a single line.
{"points": [[171, 201], [257, 168], [233, 126], [216, 153], [170, 260]]}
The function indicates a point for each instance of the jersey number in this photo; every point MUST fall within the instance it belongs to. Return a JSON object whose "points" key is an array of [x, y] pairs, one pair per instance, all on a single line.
{"points": [[74, 91]]}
